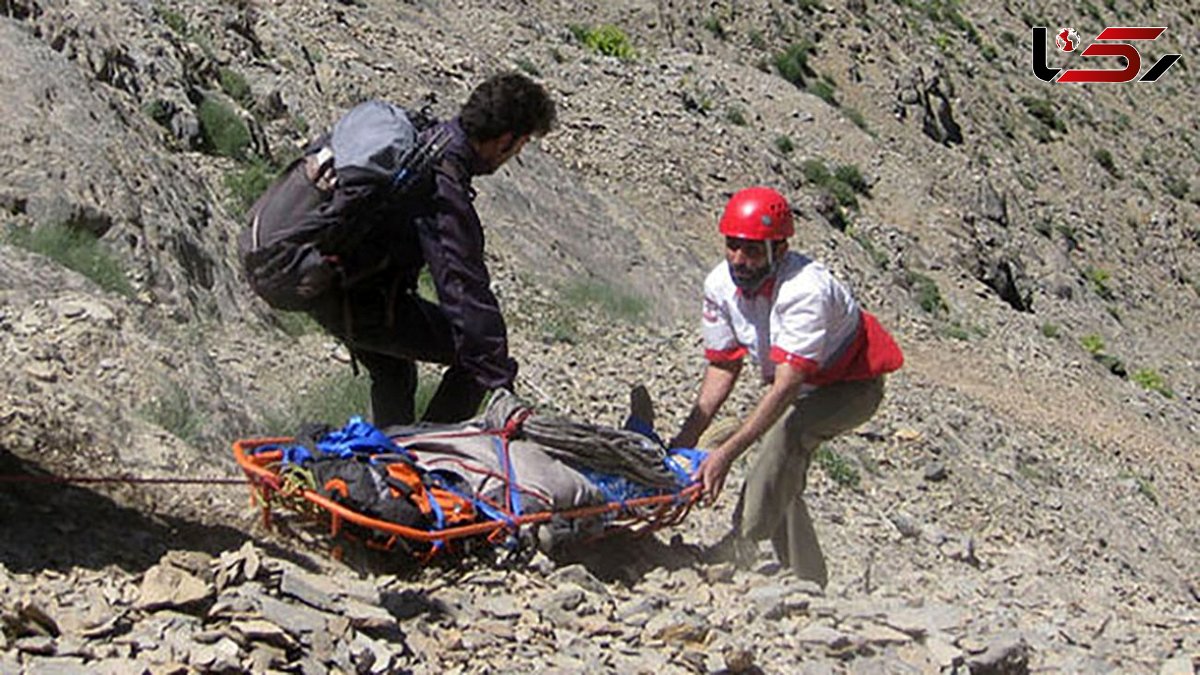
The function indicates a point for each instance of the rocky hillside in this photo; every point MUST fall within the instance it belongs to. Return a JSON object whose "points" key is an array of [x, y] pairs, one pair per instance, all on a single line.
{"points": [[1024, 499]]}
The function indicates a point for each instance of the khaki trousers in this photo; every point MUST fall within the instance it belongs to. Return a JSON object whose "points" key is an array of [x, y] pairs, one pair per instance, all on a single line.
{"points": [[772, 502]]}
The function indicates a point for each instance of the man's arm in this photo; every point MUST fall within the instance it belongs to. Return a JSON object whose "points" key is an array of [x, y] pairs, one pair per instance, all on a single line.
{"points": [[718, 381], [452, 243], [770, 408]]}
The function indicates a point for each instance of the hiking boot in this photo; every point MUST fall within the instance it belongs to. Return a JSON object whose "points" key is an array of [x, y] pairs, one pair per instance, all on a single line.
{"points": [[640, 405]]}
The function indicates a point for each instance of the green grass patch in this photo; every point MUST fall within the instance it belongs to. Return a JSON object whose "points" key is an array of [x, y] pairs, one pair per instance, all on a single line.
{"points": [[855, 116], [605, 39], [74, 249], [247, 183], [160, 111], [295, 324], [824, 90], [1152, 380], [734, 115], [222, 130], [1105, 159], [956, 331], [713, 25], [879, 258], [928, 296], [1092, 343], [784, 145], [1050, 330], [174, 20], [235, 86], [792, 63], [1099, 280], [839, 469], [609, 299], [844, 182], [336, 398], [174, 411], [1043, 111], [560, 327]]}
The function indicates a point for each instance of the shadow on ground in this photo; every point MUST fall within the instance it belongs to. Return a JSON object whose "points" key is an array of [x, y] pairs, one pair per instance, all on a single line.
{"points": [[46, 525], [628, 557]]}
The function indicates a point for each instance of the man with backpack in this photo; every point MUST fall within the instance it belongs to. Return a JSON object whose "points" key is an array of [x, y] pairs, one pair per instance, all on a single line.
{"points": [[346, 231], [822, 356]]}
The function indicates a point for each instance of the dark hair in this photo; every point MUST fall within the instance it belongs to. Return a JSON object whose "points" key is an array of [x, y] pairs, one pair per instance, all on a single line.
{"points": [[507, 102]]}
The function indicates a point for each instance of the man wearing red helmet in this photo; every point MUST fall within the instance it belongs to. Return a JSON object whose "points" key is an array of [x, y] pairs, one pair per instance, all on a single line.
{"points": [[822, 357]]}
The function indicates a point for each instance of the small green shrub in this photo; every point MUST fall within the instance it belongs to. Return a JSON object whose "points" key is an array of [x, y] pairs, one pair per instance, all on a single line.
{"points": [[956, 331], [734, 115], [792, 63], [784, 144], [843, 183], [1043, 111], [839, 469], [174, 411], [929, 297], [74, 249], [295, 324], [160, 111], [606, 39], [757, 40], [824, 90], [713, 25], [1151, 380], [1098, 279], [173, 19], [1050, 330], [1094, 344], [879, 258], [222, 130], [850, 175], [235, 86], [857, 118], [247, 183], [815, 172], [338, 397], [610, 300], [1105, 159], [1069, 234], [333, 399]]}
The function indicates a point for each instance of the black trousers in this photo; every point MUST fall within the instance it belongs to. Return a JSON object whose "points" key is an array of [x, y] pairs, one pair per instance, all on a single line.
{"points": [[388, 334]]}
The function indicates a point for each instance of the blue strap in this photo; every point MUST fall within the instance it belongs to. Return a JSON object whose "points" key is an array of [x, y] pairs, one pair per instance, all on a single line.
{"points": [[486, 509], [514, 500]]}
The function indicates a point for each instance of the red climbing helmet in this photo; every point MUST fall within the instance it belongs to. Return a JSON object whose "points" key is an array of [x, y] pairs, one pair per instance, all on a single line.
{"points": [[758, 213]]}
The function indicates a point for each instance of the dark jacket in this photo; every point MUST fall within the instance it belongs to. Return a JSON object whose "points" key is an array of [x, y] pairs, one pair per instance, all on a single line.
{"points": [[443, 231], [451, 240]]}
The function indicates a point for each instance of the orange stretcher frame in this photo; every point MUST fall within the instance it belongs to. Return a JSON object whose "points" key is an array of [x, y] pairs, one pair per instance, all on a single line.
{"points": [[640, 515]]}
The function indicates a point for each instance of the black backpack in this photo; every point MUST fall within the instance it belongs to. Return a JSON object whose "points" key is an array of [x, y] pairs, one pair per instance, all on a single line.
{"points": [[315, 212]]}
